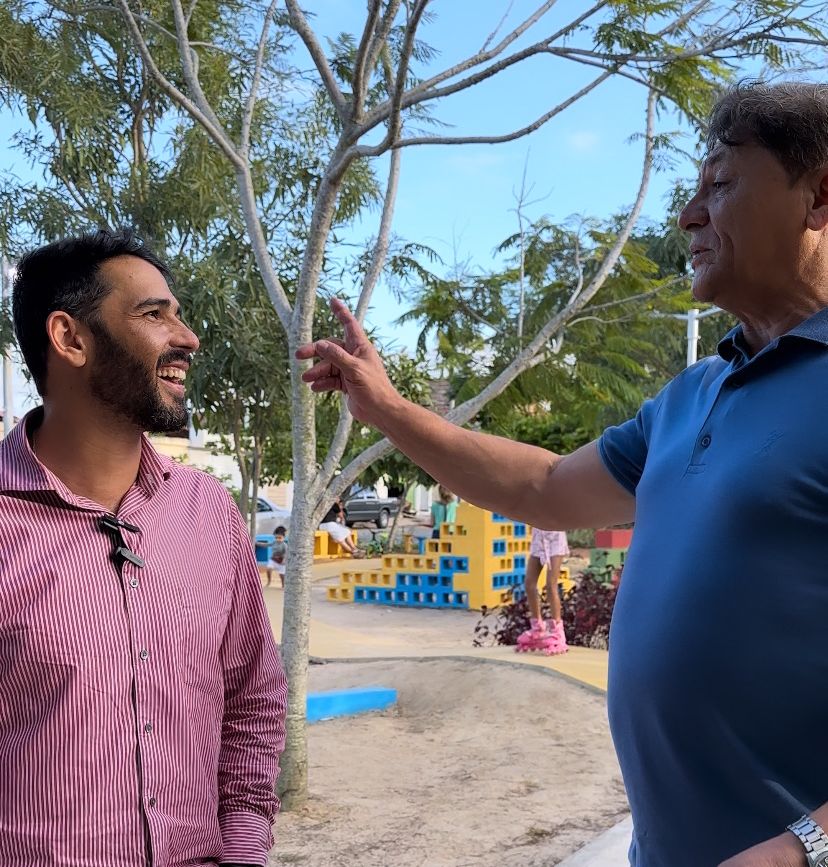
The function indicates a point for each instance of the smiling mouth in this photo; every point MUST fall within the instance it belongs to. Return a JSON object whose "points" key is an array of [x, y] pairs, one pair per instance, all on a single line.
{"points": [[173, 378], [172, 374]]}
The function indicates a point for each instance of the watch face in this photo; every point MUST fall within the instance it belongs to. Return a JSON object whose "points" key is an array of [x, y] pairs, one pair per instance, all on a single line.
{"points": [[822, 861]]}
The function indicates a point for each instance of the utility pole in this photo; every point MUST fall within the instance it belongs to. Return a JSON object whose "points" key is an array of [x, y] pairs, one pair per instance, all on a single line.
{"points": [[692, 317], [8, 370]]}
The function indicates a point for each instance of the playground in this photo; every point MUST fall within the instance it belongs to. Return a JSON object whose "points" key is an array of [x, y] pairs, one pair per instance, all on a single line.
{"points": [[487, 758]]}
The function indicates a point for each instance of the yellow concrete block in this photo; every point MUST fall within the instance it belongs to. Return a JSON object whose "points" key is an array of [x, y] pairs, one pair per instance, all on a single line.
{"points": [[339, 594]]}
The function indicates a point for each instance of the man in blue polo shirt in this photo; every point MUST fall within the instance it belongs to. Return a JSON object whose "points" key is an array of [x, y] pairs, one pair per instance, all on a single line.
{"points": [[719, 661]]}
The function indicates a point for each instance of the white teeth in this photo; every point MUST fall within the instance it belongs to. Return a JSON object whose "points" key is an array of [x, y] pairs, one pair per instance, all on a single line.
{"points": [[172, 373]]}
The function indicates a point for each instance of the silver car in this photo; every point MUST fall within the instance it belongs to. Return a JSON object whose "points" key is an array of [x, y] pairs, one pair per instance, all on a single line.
{"points": [[269, 517]]}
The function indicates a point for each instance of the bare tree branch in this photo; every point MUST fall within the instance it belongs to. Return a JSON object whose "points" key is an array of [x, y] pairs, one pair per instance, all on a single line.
{"points": [[484, 56], [145, 19], [189, 66], [258, 242], [247, 117], [339, 442], [343, 428], [395, 118], [301, 26], [361, 73], [495, 139], [524, 360], [380, 252], [491, 36], [380, 41], [247, 196], [215, 132]]}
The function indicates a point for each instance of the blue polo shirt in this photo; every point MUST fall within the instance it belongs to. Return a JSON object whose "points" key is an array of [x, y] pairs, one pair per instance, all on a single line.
{"points": [[718, 676]]}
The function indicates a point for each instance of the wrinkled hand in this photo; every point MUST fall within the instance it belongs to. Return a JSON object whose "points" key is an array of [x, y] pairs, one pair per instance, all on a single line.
{"points": [[351, 365], [782, 851]]}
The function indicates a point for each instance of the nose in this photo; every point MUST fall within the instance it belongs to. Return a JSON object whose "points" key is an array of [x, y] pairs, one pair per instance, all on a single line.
{"points": [[186, 339], [694, 214]]}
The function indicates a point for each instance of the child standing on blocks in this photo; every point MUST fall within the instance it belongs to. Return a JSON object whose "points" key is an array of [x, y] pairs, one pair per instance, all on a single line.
{"points": [[549, 547]]}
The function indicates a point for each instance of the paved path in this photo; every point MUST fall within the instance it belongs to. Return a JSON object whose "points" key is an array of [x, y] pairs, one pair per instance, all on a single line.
{"points": [[346, 631]]}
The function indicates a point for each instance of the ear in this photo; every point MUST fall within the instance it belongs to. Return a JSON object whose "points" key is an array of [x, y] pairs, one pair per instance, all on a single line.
{"points": [[70, 339], [818, 212]]}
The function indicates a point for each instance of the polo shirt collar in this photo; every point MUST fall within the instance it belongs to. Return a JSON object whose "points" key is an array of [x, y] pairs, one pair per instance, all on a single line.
{"points": [[22, 471], [814, 329]]}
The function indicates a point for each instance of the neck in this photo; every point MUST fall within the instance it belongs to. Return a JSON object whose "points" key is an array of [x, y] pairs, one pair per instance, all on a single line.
{"points": [[763, 327], [95, 455]]}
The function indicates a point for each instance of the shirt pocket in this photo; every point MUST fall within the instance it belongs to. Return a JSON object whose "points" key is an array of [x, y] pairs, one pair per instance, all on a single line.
{"points": [[202, 620], [40, 668]]}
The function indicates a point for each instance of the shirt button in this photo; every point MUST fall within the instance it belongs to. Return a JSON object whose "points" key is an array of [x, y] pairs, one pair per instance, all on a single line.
{"points": [[152, 802], [144, 654], [148, 727], [706, 440], [133, 582]]}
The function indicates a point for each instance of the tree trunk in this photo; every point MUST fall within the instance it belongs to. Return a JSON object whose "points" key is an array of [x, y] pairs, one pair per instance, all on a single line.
{"points": [[254, 493], [389, 544], [307, 487], [293, 780]]}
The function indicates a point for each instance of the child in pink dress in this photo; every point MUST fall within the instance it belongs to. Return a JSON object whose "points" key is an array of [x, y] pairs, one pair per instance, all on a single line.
{"points": [[548, 549]]}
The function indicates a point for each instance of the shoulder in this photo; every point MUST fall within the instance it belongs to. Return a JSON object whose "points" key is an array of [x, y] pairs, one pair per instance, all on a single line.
{"points": [[191, 482]]}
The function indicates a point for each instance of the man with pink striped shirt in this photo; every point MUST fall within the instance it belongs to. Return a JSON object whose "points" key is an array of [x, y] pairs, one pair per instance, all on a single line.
{"points": [[142, 699]]}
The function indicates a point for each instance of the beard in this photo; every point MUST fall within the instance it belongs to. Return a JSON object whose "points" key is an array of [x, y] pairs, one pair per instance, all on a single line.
{"points": [[124, 384]]}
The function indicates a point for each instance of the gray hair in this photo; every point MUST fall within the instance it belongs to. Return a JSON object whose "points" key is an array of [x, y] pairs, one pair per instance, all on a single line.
{"points": [[789, 119]]}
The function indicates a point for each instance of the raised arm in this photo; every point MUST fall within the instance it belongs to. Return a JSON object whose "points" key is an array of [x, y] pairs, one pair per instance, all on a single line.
{"points": [[524, 482]]}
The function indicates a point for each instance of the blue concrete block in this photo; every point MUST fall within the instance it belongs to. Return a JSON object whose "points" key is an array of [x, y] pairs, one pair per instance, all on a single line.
{"points": [[264, 547], [347, 702]]}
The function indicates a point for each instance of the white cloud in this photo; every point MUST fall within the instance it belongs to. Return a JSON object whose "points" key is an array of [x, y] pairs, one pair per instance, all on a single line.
{"points": [[583, 141]]}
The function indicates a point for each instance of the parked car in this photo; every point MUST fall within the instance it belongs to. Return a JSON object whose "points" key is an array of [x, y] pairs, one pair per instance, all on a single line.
{"points": [[365, 504], [269, 517]]}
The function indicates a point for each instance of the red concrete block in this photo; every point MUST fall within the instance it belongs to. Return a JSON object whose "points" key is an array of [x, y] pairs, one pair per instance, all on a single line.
{"points": [[613, 538]]}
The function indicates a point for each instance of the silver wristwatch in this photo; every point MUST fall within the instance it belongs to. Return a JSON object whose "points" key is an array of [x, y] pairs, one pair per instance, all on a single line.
{"points": [[814, 839]]}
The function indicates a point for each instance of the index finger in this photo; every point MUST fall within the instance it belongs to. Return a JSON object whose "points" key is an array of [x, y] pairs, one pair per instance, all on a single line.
{"points": [[353, 331]]}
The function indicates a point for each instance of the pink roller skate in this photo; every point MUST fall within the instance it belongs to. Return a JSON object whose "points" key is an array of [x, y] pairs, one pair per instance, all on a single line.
{"points": [[539, 637], [556, 629]]}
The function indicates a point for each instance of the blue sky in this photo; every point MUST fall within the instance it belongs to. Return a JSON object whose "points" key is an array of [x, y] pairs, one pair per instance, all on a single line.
{"points": [[460, 200]]}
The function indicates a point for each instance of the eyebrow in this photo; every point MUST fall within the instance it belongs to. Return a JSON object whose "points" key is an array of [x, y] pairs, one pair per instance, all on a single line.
{"points": [[158, 302], [712, 160]]}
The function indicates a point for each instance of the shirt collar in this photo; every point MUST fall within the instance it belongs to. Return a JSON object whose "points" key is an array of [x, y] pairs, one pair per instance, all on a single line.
{"points": [[20, 469], [814, 328]]}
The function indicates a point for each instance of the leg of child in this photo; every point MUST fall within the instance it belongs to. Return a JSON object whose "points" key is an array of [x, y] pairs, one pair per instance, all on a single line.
{"points": [[553, 597], [533, 570]]}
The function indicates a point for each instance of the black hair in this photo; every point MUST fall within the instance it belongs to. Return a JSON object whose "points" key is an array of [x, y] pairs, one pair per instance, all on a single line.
{"points": [[789, 119], [280, 531], [65, 275]]}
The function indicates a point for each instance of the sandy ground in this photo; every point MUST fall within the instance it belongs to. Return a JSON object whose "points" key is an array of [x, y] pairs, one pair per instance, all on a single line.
{"points": [[480, 764]]}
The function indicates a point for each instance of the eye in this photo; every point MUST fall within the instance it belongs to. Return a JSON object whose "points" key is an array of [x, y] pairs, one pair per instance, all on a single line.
{"points": [[152, 314], [719, 185]]}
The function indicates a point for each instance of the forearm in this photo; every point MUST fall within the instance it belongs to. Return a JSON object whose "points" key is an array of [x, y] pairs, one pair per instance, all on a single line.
{"points": [[489, 471]]}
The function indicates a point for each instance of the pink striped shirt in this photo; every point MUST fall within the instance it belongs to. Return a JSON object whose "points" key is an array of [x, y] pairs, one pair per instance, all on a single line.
{"points": [[141, 708]]}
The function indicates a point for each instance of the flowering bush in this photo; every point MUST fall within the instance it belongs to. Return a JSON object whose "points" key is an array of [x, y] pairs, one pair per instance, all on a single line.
{"points": [[586, 611]]}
